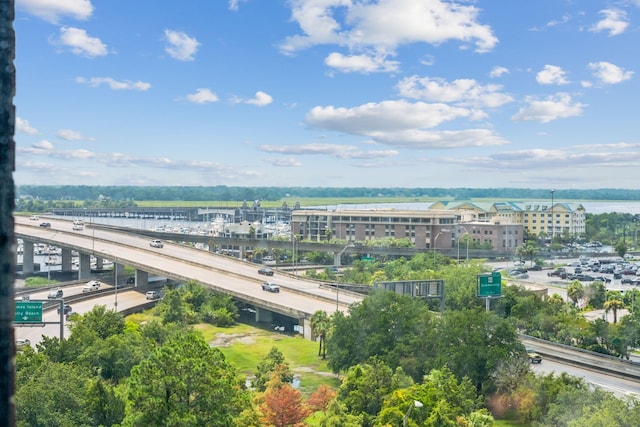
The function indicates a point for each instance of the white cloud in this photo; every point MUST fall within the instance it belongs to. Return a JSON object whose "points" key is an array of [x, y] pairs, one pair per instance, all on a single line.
{"points": [[114, 84], [401, 123], [461, 91], [615, 22], [552, 75], [80, 43], [260, 100], [384, 25], [235, 4], [23, 126], [609, 73], [180, 45], [334, 150], [284, 162], [498, 72], [360, 63], [72, 135], [202, 96], [558, 106], [42, 145], [53, 10]]}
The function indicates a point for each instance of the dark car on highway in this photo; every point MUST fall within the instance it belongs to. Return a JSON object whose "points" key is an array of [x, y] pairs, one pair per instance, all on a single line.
{"points": [[45, 224], [67, 309], [266, 271]]}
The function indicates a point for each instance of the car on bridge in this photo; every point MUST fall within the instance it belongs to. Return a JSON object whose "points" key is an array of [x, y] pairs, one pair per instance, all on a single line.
{"points": [[533, 356], [270, 287], [156, 243], [22, 343], [266, 271], [152, 295], [45, 224], [91, 286]]}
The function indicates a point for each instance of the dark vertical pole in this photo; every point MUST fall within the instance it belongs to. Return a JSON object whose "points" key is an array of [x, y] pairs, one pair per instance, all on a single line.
{"points": [[7, 205]]}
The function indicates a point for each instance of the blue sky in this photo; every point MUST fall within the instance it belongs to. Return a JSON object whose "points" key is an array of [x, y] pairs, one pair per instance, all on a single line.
{"points": [[328, 93]]}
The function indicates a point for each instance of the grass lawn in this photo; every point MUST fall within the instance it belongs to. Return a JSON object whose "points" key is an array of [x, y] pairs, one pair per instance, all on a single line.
{"points": [[245, 346]]}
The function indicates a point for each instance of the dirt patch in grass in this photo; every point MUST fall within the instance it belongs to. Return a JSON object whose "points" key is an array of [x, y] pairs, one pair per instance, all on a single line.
{"points": [[225, 340]]}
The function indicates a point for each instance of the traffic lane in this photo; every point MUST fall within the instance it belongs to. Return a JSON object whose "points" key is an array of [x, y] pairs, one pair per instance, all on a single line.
{"points": [[139, 246], [619, 386], [34, 333]]}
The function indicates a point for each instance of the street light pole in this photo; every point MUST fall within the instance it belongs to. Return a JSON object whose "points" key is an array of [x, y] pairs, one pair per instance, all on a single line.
{"points": [[435, 240], [458, 241], [552, 225], [415, 403]]}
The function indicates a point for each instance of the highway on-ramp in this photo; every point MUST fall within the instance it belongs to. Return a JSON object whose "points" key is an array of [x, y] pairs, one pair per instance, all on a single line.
{"points": [[298, 297]]}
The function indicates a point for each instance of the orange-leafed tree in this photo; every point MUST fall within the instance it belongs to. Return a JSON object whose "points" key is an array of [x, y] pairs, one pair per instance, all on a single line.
{"points": [[283, 405], [319, 399]]}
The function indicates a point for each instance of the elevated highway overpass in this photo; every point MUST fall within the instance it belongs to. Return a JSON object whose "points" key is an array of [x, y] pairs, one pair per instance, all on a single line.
{"points": [[299, 298]]}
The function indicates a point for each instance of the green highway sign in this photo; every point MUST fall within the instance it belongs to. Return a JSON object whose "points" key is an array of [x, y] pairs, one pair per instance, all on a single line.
{"points": [[489, 285], [28, 312]]}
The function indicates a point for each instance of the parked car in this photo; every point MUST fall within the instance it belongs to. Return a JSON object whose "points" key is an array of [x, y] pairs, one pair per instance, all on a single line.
{"points": [[55, 294], [131, 280], [536, 268], [270, 287], [152, 295], [533, 356], [45, 224], [91, 286], [603, 279], [156, 243], [266, 271]]}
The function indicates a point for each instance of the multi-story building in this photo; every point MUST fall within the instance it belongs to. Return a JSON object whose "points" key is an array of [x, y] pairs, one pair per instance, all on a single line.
{"points": [[559, 219], [428, 229]]}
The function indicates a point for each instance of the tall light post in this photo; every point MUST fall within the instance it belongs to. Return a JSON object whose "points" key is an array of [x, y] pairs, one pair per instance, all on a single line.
{"points": [[434, 244], [458, 241], [552, 225], [115, 270], [415, 403]]}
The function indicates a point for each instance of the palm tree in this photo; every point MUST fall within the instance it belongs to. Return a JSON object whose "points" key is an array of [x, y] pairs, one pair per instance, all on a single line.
{"points": [[320, 323], [575, 291], [614, 303]]}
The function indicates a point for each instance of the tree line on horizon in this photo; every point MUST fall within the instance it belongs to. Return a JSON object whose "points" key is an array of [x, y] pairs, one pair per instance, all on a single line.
{"points": [[226, 193]]}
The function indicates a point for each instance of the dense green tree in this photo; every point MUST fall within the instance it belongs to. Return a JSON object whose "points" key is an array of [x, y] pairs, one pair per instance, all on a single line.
{"points": [[52, 396], [366, 385], [272, 362], [338, 416], [444, 399], [596, 294], [385, 324], [103, 404], [472, 343], [184, 382]]}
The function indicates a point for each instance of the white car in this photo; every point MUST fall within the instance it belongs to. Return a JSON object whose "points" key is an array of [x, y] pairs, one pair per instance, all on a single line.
{"points": [[78, 227], [93, 285], [152, 295], [155, 243]]}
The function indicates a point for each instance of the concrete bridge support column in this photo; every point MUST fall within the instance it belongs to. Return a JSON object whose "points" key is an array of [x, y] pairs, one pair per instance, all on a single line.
{"points": [[241, 252], [142, 278], [99, 263], [306, 328], [119, 272], [27, 256], [66, 259], [84, 266], [263, 315], [336, 258]]}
